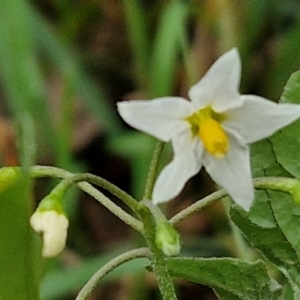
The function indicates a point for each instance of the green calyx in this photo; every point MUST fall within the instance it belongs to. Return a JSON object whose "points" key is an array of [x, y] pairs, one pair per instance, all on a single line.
{"points": [[51, 202], [54, 200]]}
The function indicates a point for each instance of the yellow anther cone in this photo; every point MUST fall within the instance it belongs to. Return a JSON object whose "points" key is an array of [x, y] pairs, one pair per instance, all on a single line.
{"points": [[213, 137]]}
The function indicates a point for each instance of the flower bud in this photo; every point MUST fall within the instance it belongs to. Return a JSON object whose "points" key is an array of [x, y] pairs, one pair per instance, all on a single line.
{"points": [[53, 225], [51, 220], [167, 239]]}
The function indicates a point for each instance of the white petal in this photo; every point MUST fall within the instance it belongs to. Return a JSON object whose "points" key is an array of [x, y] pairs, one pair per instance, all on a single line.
{"points": [[158, 117], [185, 164], [54, 227], [233, 173], [219, 86], [259, 118]]}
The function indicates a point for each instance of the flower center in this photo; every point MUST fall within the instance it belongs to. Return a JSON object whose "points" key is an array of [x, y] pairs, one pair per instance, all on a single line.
{"points": [[213, 137], [206, 124]]}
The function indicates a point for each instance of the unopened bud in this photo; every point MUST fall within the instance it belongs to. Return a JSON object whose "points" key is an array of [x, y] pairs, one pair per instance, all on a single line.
{"points": [[167, 239], [53, 225], [51, 220]]}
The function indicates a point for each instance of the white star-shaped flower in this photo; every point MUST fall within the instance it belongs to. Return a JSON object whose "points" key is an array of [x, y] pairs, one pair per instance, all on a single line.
{"points": [[53, 225], [211, 130]]}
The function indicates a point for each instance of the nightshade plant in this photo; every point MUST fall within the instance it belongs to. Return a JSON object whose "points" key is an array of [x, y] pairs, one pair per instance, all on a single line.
{"points": [[212, 130]]}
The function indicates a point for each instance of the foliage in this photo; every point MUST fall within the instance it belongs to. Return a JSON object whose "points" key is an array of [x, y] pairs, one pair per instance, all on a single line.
{"points": [[165, 47]]}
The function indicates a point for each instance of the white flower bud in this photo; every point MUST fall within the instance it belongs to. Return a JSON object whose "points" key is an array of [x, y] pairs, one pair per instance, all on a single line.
{"points": [[53, 226]]}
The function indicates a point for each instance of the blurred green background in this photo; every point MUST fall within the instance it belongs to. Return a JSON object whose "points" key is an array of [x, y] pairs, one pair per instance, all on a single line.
{"points": [[64, 65]]}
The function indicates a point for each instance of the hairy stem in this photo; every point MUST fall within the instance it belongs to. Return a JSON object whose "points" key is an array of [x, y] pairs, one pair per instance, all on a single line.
{"points": [[45, 171], [282, 184], [160, 269], [42, 171], [115, 209], [95, 279], [153, 170]]}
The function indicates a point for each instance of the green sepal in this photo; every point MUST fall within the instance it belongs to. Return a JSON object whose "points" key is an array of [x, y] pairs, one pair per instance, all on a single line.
{"points": [[51, 202], [54, 200]]}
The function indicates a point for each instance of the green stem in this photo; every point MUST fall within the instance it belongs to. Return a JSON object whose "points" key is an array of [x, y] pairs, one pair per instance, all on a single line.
{"points": [[113, 189], [115, 209], [153, 170], [156, 212], [197, 206], [149, 215], [95, 279], [282, 184], [160, 269], [241, 249], [43, 171]]}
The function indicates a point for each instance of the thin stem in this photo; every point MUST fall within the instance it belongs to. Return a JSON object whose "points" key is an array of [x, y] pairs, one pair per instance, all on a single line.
{"points": [[115, 209], [95, 279], [160, 269], [197, 206], [153, 170], [43, 171], [283, 184], [156, 212], [242, 249], [113, 189]]}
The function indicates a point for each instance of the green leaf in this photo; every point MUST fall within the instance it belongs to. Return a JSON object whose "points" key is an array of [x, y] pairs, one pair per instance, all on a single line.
{"points": [[232, 279], [19, 259], [286, 142], [273, 227], [291, 90], [263, 160], [287, 293]]}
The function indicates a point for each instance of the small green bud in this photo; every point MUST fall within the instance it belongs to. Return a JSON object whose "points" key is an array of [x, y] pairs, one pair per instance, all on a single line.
{"points": [[167, 238]]}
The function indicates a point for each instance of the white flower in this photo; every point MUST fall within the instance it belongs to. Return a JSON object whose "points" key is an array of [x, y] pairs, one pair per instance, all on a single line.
{"points": [[211, 130], [53, 226]]}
